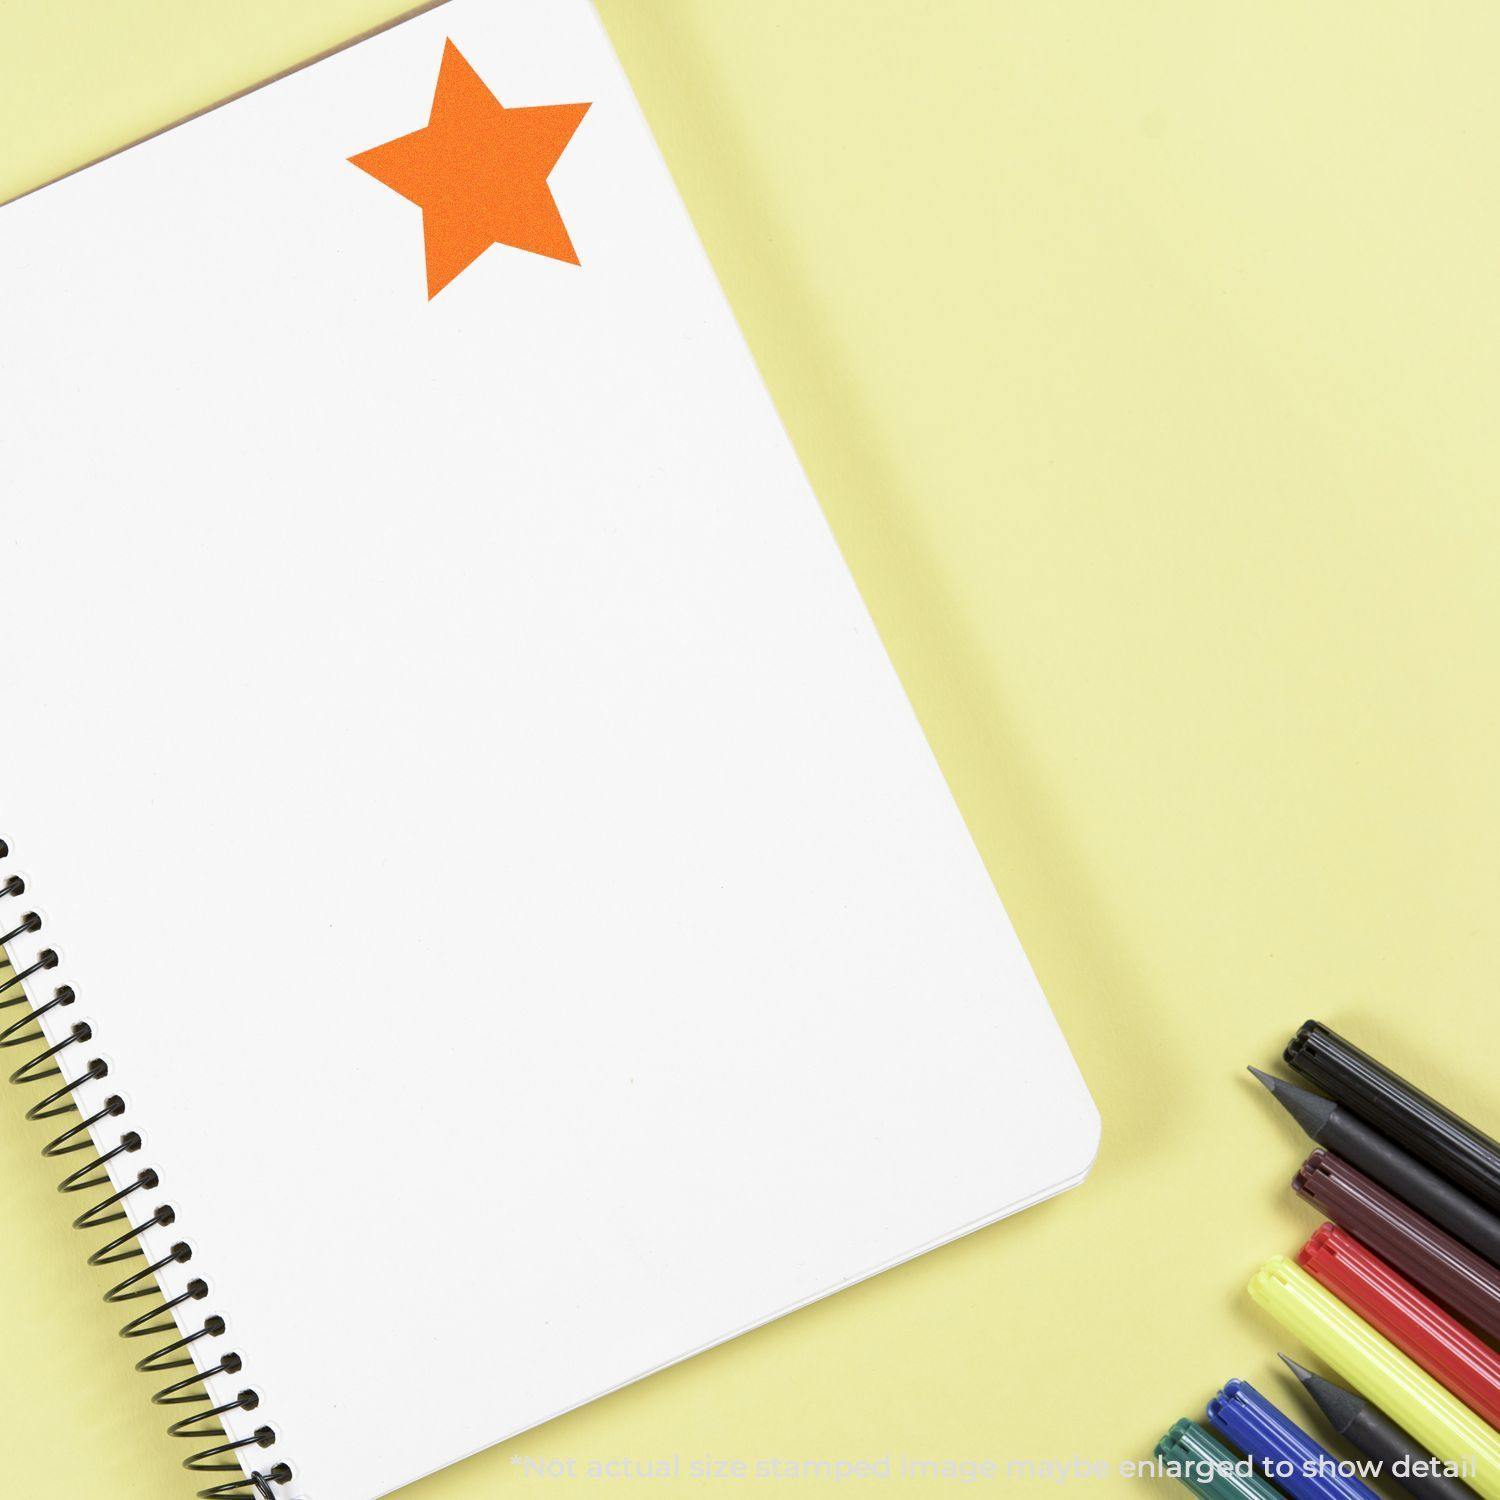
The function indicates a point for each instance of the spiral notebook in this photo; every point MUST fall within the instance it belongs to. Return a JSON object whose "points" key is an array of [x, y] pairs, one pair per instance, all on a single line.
{"points": [[479, 875]]}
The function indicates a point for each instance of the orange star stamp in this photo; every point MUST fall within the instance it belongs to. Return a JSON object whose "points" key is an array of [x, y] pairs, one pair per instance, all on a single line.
{"points": [[478, 171]]}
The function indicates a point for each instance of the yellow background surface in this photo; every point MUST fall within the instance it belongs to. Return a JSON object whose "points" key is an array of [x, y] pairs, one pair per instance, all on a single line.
{"points": [[1145, 358]]}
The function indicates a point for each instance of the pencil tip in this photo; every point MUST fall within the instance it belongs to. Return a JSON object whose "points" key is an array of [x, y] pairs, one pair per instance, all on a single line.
{"points": [[1311, 1111], [1341, 1407]]}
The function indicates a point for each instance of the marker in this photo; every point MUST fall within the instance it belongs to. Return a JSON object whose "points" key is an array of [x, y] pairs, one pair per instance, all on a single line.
{"points": [[1461, 1152], [1376, 1368], [1450, 1273], [1415, 1324], [1282, 1451], [1207, 1467], [1364, 1427], [1398, 1171]]}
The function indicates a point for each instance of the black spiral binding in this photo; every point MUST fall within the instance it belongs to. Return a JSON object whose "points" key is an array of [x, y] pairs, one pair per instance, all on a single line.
{"points": [[223, 1455]]}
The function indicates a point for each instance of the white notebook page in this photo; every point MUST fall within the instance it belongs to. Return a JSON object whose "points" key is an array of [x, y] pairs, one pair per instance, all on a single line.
{"points": [[468, 795]]}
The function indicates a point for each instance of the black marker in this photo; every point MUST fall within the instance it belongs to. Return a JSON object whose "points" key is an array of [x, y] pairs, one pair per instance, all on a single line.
{"points": [[1461, 1152]]}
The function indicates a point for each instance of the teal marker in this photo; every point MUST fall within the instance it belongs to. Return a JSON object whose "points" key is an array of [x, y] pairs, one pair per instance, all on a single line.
{"points": [[1201, 1462]]}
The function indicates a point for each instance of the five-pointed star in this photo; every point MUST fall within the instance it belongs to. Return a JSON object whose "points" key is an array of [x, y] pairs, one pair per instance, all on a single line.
{"points": [[478, 172]]}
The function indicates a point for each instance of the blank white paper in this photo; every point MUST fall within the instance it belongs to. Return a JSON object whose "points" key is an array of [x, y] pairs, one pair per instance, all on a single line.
{"points": [[502, 869]]}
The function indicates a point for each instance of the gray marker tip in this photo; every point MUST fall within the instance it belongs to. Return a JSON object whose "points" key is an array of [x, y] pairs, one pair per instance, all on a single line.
{"points": [[1342, 1408], [1311, 1111]]}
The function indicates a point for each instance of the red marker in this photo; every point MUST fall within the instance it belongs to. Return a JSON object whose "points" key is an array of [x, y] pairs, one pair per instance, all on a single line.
{"points": [[1412, 1322]]}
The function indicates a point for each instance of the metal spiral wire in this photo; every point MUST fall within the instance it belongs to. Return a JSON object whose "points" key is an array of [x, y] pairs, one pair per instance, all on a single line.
{"points": [[52, 1069]]}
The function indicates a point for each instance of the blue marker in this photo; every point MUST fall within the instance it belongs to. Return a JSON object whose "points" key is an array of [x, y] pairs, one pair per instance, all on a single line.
{"points": [[1285, 1454]]}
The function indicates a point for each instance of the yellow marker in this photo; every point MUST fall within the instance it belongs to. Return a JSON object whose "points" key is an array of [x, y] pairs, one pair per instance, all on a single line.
{"points": [[1405, 1392]]}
